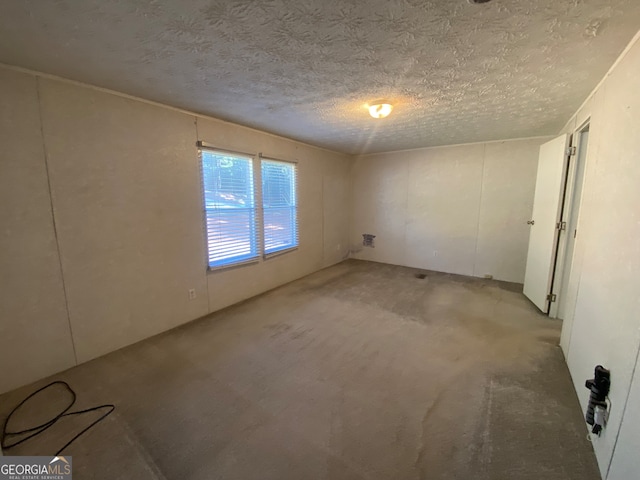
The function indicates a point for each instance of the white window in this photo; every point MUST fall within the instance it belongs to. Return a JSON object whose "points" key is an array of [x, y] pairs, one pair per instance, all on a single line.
{"points": [[279, 206], [230, 208]]}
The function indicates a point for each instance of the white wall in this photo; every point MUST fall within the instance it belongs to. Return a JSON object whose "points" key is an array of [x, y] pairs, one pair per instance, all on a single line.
{"points": [[122, 178], [625, 464], [602, 323], [458, 209]]}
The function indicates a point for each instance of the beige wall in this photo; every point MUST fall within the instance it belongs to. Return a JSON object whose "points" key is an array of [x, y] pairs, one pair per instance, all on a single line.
{"points": [[122, 177], [602, 323], [322, 178], [34, 329], [459, 209]]}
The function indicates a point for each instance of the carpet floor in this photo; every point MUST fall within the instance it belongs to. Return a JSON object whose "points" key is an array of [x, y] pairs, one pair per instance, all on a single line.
{"points": [[359, 371]]}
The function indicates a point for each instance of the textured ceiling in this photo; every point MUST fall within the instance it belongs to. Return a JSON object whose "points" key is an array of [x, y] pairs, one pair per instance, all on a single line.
{"points": [[456, 72]]}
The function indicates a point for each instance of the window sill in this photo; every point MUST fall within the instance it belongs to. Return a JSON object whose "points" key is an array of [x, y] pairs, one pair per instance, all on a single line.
{"points": [[231, 266], [252, 261], [280, 252]]}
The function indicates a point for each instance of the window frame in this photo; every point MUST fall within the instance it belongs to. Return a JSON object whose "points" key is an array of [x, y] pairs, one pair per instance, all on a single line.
{"points": [[296, 225], [254, 233], [258, 237]]}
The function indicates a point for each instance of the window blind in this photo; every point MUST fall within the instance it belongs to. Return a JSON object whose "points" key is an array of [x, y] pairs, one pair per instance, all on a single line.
{"points": [[230, 208], [279, 206]]}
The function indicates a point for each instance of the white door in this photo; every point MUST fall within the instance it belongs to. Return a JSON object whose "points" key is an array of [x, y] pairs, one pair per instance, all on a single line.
{"points": [[547, 208]]}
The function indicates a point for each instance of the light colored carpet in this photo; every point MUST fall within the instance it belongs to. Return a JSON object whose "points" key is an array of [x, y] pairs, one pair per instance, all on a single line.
{"points": [[360, 371]]}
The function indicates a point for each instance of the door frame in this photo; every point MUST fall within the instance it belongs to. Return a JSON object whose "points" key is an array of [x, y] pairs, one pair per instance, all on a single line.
{"points": [[567, 207]]}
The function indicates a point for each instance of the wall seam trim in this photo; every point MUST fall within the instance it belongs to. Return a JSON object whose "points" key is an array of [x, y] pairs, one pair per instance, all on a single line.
{"points": [[350, 218], [406, 209], [324, 219], [475, 252], [53, 220], [204, 219]]}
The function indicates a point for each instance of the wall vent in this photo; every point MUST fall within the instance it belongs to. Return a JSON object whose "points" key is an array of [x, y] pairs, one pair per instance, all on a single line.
{"points": [[367, 240]]}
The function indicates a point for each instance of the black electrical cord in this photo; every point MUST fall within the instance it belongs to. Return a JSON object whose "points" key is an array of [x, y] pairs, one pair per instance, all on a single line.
{"points": [[37, 430]]}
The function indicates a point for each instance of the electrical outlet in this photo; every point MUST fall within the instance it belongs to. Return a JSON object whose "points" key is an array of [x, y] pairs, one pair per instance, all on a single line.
{"points": [[192, 294]]}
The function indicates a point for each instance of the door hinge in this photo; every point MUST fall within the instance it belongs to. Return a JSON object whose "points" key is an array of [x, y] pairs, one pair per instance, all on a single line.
{"points": [[551, 297], [561, 225], [571, 151]]}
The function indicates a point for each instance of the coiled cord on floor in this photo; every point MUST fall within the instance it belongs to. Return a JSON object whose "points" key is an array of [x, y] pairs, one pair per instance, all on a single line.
{"points": [[37, 430]]}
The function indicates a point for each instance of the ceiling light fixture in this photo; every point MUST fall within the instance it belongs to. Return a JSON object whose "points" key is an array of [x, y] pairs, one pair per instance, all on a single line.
{"points": [[380, 109]]}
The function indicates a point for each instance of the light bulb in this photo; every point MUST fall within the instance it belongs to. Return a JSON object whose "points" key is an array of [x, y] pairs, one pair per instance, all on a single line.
{"points": [[380, 110]]}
